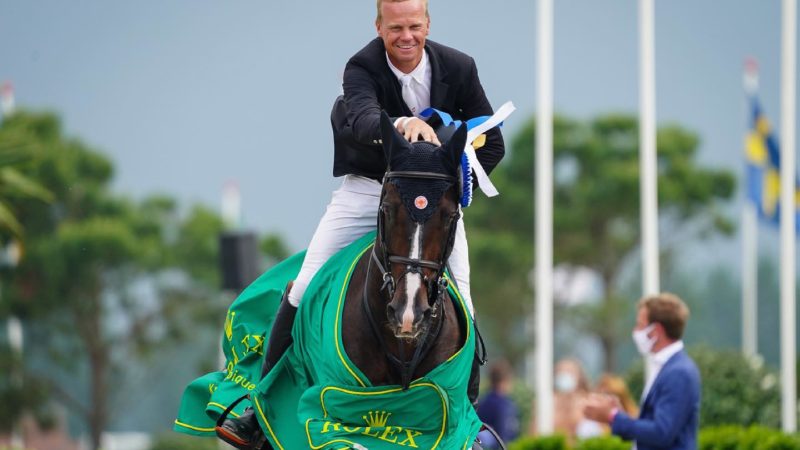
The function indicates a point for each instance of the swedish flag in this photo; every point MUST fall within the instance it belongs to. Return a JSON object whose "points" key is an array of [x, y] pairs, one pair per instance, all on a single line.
{"points": [[762, 156]]}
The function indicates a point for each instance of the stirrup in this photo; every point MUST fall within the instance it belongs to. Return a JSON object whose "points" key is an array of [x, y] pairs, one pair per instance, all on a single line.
{"points": [[477, 446], [258, 443]]}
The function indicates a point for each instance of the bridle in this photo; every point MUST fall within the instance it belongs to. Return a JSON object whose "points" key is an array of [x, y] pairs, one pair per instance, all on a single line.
{"points": [[437, 285]]}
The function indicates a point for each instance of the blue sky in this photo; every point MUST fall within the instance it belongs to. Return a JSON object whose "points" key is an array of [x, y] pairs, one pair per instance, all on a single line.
{"points": [[186, 95]]}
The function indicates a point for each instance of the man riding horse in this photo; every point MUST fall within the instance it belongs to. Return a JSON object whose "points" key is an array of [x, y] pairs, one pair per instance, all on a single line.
{"points": [[402, 73]]}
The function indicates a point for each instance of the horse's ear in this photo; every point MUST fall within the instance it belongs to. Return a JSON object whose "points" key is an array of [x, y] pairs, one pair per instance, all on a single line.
{"points": [[455, 145], [393, 141]]}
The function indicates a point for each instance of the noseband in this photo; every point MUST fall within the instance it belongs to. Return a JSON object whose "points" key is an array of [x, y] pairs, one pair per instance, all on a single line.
{"points": [[437, 285]]}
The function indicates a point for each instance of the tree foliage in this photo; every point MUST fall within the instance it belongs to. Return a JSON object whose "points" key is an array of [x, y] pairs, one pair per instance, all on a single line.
{"points": [[15, 187], [104, 278], [596, 217]]}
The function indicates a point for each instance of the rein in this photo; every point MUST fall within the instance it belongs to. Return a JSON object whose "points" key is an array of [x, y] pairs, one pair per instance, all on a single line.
{"points": [[406, 368], [437, 286]]}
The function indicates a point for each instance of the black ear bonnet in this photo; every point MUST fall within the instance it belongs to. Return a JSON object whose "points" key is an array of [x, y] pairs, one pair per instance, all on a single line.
{"points": [[419, 195]]}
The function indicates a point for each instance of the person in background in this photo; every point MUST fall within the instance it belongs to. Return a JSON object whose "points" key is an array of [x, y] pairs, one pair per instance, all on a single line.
{"points": [[670, 407], [615, 386], [571, 388], [496, 409]]}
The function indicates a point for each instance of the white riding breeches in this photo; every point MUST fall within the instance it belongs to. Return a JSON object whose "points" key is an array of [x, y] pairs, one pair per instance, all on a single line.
{"points": [[353, 212]]}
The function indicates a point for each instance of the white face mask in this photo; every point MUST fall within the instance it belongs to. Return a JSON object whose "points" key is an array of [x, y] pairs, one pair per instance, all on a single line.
{"points": [[566, 382], [643, 342]]}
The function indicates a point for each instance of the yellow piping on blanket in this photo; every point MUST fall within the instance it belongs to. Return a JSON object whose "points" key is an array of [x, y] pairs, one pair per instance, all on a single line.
{"points": [[191, 427], [339, 313], [269, 427]]}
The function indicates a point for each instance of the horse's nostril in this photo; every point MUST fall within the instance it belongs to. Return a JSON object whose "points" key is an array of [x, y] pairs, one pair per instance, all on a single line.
{"points": [[391, 313]]}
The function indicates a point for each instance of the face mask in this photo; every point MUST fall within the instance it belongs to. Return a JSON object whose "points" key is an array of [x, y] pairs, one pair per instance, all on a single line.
{"points": [[566, 382], [644, 343]]}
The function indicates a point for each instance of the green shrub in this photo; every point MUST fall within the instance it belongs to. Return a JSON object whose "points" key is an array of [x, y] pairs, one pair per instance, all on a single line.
{"points": [[732, 437], [603, 443], [725, 437], [779, 441], [753, 437], [555, 442], [176, 441]]}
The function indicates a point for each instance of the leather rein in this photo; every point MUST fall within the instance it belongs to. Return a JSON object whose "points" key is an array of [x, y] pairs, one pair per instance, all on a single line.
{"points": [[437, 286]]}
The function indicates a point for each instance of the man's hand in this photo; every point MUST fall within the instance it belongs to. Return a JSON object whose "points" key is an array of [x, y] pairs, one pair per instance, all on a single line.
{"points": [[415, 129], [598, 407]]}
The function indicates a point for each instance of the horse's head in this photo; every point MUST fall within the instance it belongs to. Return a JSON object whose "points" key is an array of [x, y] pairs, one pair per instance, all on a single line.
{"points": [[416, 225]]}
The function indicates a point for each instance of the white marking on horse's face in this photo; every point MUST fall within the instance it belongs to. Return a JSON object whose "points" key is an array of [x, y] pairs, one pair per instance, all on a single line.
{"points": [[413, 283]]}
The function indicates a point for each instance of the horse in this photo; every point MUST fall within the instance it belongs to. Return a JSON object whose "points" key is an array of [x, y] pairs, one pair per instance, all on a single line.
{"points": [[400, 325], [399, 321]]}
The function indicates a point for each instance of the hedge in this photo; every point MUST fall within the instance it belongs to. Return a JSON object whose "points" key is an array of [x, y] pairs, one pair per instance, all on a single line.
{"points": [[725, 437]]}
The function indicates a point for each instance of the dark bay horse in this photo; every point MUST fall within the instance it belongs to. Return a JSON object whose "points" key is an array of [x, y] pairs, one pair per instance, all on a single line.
{"points": [[399, 320]]}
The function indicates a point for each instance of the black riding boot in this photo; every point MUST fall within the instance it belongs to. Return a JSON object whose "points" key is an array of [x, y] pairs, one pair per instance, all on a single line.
{"points": [[244, 432], [280, 338]]}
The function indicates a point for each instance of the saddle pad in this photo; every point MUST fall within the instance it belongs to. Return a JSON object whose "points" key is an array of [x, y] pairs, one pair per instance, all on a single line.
{"points": [[315, 397]]}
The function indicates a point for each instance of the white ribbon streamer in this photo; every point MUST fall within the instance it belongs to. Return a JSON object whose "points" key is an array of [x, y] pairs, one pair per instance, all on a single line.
{"points": [[483, 179]]}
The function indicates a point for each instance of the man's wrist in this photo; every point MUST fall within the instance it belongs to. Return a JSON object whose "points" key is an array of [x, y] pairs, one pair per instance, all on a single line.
{"points": [[612, 414]]}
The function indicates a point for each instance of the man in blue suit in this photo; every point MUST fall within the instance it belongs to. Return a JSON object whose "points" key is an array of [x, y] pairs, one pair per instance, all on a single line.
{"points": [[671, 398]]}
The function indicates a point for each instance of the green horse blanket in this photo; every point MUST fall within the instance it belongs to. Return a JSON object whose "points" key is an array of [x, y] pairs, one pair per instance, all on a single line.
{"points": [[315, 397]]}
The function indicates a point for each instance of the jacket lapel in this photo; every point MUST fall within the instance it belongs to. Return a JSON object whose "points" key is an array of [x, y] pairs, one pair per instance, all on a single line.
{"points": [[439, 87], [670, 361]]}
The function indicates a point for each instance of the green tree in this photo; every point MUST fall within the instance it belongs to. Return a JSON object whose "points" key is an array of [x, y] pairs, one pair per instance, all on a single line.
{"points": [[15, 187], [596, 217], [85, 256], [16, 152], [274, 247], [89, 255]]}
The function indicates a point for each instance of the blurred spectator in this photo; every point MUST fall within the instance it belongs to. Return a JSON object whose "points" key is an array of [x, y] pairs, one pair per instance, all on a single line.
{"points": [[496, 408], [571, 391], [615, 386], [671, 401]]}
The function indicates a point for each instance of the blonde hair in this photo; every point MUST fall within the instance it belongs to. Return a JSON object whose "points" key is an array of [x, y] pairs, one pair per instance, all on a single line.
{"points": [[615, 385], [380, 2]]}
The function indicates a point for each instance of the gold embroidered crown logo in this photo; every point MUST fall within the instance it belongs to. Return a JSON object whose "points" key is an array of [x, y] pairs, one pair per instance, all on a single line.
{"points": [[377, 419], [229, 324]]}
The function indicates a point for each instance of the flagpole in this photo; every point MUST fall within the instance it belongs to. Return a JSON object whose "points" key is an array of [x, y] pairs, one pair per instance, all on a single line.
{"points": [[647, 152], [749, 279], [750, 245], [544, 221], [788, 208]]}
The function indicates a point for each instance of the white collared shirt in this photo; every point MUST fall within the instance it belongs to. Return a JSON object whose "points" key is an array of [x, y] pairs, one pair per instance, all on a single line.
{"points": [[655, 362], [420, 80]]}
